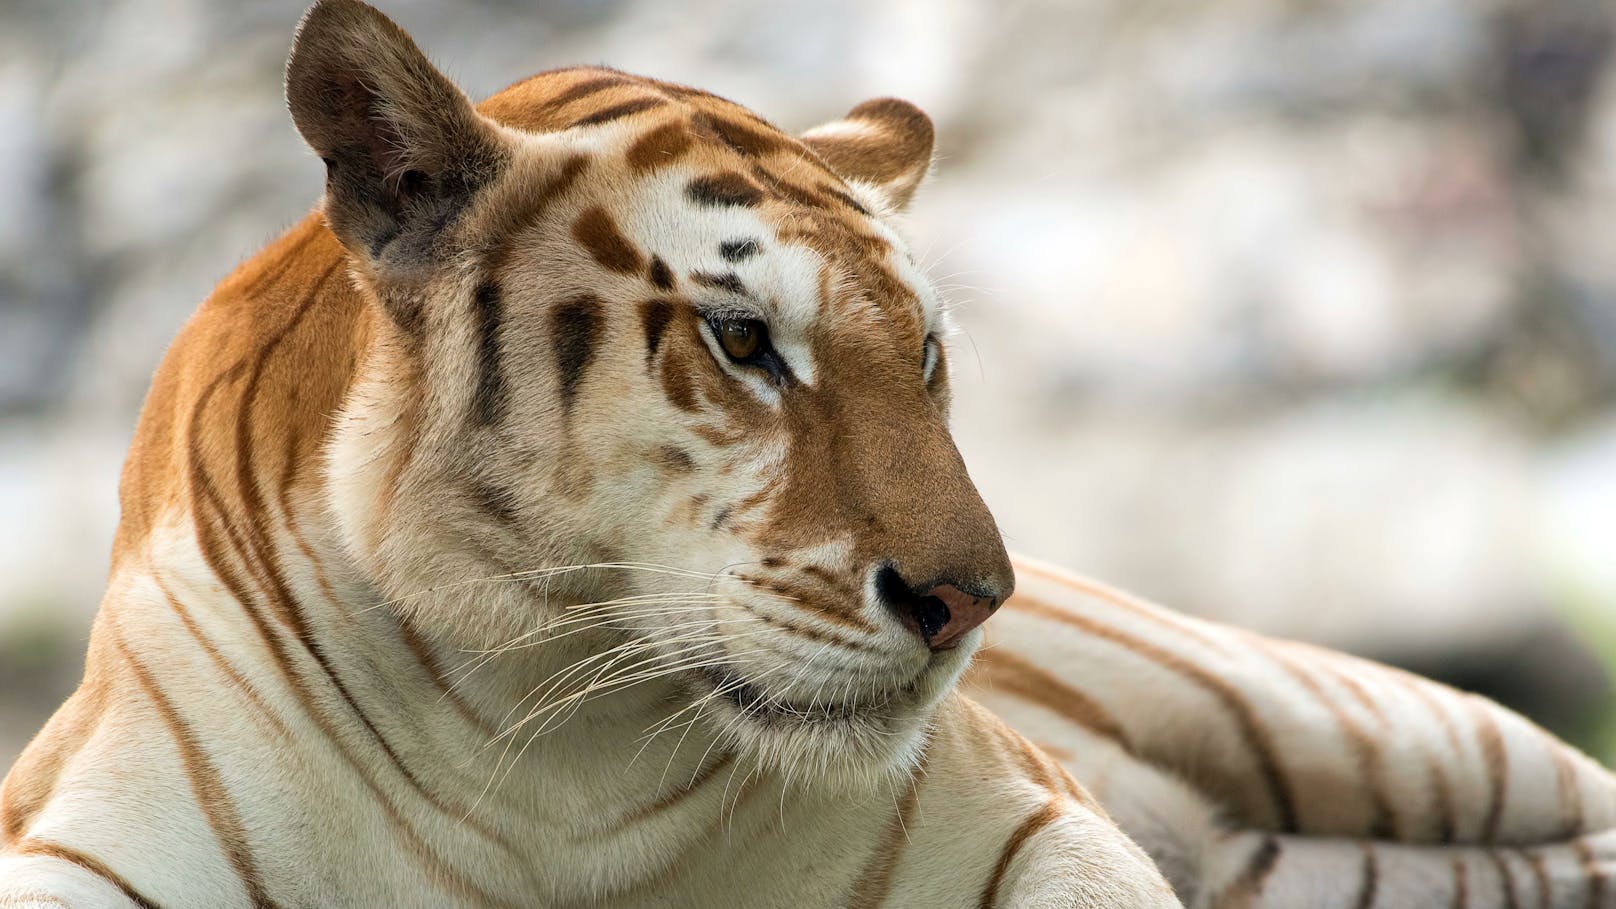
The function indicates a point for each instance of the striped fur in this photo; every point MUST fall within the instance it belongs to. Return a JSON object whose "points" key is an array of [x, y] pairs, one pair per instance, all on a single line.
{"points": [[458, 567], [461, 566], [1263, 773]]}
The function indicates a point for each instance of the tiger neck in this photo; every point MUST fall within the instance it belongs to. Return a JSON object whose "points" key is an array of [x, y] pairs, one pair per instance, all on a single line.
{"points": [[230, 463]]}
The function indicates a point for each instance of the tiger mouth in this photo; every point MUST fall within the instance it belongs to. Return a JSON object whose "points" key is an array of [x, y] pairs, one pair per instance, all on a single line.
{"points": [[760, 706]]}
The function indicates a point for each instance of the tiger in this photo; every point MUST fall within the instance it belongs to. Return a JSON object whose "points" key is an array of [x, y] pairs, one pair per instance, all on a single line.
{"points": [[565, 513]]}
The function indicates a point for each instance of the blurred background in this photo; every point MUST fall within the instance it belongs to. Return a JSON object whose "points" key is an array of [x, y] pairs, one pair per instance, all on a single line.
{"points": [[1298, 314]]}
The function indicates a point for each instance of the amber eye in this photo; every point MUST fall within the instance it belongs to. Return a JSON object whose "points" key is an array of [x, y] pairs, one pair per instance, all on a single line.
{"points": [[740, 338]]}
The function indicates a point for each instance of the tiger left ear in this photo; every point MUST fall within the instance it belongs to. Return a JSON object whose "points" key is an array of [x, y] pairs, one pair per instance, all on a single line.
{"points": [[885, 144]]}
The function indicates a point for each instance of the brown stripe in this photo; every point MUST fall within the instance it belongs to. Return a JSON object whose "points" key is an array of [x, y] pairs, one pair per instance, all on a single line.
{"points": [[1017, 676], [1447, 816], [663, 145], [530, 211], [238, 681], [488, 311], [575, 330], [1383, 822], [739, 137], [212, 796], [205, 493], [619, 111], [37, 847], [261, 547], [1246, 889], [724, 189], [654, 318], [1368, 878], [597, 232], [1569, 792], [1035, 822], [679, 794], [584, 89], [874, 882], [1540, 876], [810, 601], [1258, 740], [1496, 756], [1461, 885], [1178, 625], [660, 274], [1506, 879], [1591, 872]]}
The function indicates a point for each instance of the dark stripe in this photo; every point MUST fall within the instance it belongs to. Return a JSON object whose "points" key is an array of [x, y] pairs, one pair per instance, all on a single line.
{"points": [[597, 232], [1035, 822], [255, 549], [1461, 885], [702, 776], [654, 318], [1565, 775], [1368, 879], [1365, 748], [1540, 874], [44, 848], [874, 882], [1496, 756], [675, 459], [729, 281], [530, 210], [1506, 879], [618, 111], [1257, 738], [1010, 673], [1244, 891], [739, 137], [661, 274], [663, 145], [586, 88], [238, 680], [848, 200], [738, 250], [212, 796], [495, 501], [724, 189], [1591, 872], [488, 402], [575, 328]]}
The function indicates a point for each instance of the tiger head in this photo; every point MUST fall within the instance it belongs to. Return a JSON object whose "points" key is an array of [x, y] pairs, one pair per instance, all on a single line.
{"points": [[631, 325]]}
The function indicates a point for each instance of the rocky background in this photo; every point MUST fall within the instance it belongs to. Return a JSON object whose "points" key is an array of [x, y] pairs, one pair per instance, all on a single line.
{"points": [[1299, 314]]}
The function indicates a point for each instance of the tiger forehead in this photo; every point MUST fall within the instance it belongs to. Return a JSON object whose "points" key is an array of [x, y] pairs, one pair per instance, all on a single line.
{"points": [[728, 166]]}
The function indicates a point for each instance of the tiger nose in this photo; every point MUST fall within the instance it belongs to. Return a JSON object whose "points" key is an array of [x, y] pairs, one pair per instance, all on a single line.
{"points": [[940, 615]]}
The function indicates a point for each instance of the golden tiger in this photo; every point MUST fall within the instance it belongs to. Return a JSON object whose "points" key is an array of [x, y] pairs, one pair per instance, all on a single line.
{"points": [[565, 514]]}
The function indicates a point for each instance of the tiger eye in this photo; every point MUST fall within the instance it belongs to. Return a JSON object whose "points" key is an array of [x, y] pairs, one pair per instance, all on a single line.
{"points": [[740, 338]]}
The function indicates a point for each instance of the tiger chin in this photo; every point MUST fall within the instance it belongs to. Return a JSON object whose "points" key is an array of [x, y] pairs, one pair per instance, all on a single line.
{"points": [[563, 513]]}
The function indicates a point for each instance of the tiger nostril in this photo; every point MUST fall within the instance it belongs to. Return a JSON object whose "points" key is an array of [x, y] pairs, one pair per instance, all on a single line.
{"points": [[931, 614], [940, 616]]}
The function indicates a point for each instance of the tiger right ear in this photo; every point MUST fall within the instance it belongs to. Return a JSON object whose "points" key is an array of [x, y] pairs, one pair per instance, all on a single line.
{"points": [[885, 144], [404, 149]]}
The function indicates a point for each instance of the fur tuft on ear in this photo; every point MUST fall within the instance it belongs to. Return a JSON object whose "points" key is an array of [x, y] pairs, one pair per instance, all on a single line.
{"points": [[884, 143], [404, 149]]}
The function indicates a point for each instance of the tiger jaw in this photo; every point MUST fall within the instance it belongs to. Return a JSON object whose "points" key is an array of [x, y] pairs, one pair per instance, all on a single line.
{"points": [[857, 736]]}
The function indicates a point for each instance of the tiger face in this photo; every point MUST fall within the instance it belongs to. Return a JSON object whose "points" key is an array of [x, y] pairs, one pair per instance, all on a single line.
{"points": [[633, 326]]}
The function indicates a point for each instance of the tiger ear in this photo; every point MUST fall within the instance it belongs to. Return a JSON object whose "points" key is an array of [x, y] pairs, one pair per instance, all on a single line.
{"points": [[884, 143], [404, 149]]}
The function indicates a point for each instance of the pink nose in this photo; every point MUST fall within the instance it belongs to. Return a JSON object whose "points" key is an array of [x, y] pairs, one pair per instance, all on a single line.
{"points": [[941, 616], [943, 626]]}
